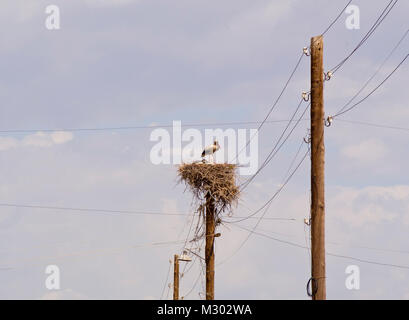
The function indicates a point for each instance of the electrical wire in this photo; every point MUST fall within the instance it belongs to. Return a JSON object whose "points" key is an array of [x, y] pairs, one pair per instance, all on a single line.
{"points": [[275, 149], [118, 128], [166, 281], [376, 24], [267, 218], [266, 205], [167, 293], [204, 124], [327, 253], [354, 246], [188, 234], [276, 193], [246, 183], [270, 156], [252, 231], [232, 218], [376, 125], [185, 270], [102, 251], [182, 247], [336, 19], [375, 73], [111, 212], [194, 286], [291, 75], [372, 91], [274, 104], [367, 261], [294, 158]]}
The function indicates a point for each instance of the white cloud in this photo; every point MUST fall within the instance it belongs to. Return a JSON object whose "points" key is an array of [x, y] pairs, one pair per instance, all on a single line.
{"points": [[370, 205], [38, 139], [367, 151], [59, 137], [7, 143]]}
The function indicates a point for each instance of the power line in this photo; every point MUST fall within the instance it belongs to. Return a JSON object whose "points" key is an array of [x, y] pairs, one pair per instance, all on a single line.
{"points": [[166, 281], [191, 244], [376, 125], [367, 261], [168, 291], [106, 211], [376, 24], [272, 153], [267, 218], [184, 245], [188, 234], [91, 210], [294, 158], [276, 193], [368, 248], [282, 91], [375, 73], [327, 253], [373, 90], [119, 128], [274, 104], [196, 254], [276, 148], [289, 79], [266, 205], [336, 19], [105, 250], [194, 285], [354, 246], [286, 138], [250, 231], [246, 183]]}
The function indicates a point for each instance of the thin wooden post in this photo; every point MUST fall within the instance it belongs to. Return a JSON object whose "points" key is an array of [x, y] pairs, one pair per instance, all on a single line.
{"points": [[176, 277]]}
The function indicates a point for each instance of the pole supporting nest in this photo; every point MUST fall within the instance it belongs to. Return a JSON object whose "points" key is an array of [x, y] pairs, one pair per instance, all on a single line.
{"points": [[215, 191]]}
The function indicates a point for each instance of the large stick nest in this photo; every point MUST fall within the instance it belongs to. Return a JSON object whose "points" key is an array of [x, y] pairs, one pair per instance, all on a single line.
{"points": [[219, 180]]}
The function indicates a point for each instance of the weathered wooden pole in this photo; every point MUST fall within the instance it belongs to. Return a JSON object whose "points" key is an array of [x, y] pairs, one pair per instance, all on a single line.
{"points": [[209, 249], [318, 283], [176, 277]]}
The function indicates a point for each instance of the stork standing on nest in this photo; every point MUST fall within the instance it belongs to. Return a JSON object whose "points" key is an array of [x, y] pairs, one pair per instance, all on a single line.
{"points": [[210, 150]]}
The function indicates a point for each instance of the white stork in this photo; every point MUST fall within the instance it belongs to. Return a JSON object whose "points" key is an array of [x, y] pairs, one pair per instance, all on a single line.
{"points": [[210, 150]]}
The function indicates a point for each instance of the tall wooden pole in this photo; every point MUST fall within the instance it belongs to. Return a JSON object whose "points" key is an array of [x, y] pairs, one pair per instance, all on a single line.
{"points": [[209, 249], [318, 283], [176, 277]]}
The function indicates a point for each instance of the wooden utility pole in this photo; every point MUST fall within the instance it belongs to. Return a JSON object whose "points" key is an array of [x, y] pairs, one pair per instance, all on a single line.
{"points": [[176, 277], [318, 283], [209, 249]]}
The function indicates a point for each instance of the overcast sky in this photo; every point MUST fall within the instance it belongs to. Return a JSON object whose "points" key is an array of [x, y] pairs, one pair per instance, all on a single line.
{"points": [[118, 63]]}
